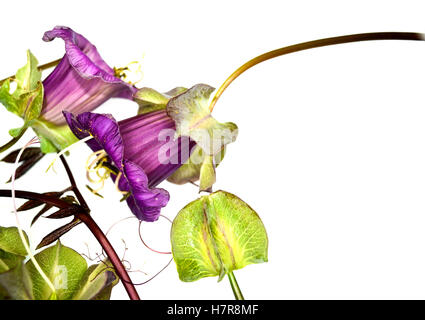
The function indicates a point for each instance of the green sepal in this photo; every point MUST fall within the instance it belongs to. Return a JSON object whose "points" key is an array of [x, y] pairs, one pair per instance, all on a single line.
{"points": [[7, 99], [191, 114], [207, 174], [46, 146], [190, 111], [53, 138], [27, 99], [215, 235], [150, 100], [97, 282], [190, 171], [27, 77]]}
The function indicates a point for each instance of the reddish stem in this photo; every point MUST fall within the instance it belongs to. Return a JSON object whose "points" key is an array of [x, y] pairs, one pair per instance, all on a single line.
{"points": [[115, 260], [93, 227]]}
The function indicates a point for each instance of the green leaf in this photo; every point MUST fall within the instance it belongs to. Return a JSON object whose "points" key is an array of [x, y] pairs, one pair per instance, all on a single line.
{"points": [[150, 100], [11, 242], [97, 282], [9, 260], [190, 111], [14, 280], [215, 235], [63, 266], [16, 283]]}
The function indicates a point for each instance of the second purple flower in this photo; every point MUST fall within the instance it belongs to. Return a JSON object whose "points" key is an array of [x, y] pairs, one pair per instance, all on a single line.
{"points": [[143, 150]]}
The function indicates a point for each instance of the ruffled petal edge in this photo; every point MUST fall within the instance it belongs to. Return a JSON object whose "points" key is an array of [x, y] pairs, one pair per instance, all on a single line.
{"points": [[144, 202], [84, 57], [105, 132]]}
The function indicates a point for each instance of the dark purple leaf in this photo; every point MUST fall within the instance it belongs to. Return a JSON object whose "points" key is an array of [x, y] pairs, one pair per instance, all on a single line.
{"points": [[26, 166], [26, 155], [63, 213], [46, 208], [31, 204], [56, 234]]}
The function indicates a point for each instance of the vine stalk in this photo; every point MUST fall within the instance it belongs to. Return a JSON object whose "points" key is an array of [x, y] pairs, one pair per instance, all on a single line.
{"points": [[235, 287], [45, 66], [310, 45]]}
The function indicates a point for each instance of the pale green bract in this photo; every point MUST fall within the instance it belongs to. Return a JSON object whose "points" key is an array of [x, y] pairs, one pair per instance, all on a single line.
{"points": [[190, 111], [150, 100], [215, 235], [26, 101]]}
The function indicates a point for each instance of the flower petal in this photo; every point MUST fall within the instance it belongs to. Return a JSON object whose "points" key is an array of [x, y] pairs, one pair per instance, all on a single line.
{"points": [[82, 55], [149, 142], [145, 203], [103, 128], [82, 81]]}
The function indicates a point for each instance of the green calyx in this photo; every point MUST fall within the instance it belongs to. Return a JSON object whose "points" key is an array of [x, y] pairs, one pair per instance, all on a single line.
{"points": [[150, 100], [190, 111], [216, 234], [190, 171], [26, 101], [53, 137]]}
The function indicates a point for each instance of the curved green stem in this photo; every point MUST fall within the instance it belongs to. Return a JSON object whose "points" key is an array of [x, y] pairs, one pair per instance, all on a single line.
{"points": [[235, 287], [314, 44], [13, 141]]}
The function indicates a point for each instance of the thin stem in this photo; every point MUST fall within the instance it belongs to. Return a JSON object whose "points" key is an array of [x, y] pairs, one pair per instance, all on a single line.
{"points": [[12, 141], [73, 183], [115, 260], [35, 196], [314, 44], [41, 68], [235, 287]]}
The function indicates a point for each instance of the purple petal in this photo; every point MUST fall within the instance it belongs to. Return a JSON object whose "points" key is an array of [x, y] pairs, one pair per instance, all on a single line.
{"points": [[145, 203], [82, 81], [145, 144], [104, 130]]}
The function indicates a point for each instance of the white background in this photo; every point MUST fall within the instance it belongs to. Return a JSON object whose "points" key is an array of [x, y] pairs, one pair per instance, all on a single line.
{"points": [[330, 150]]}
